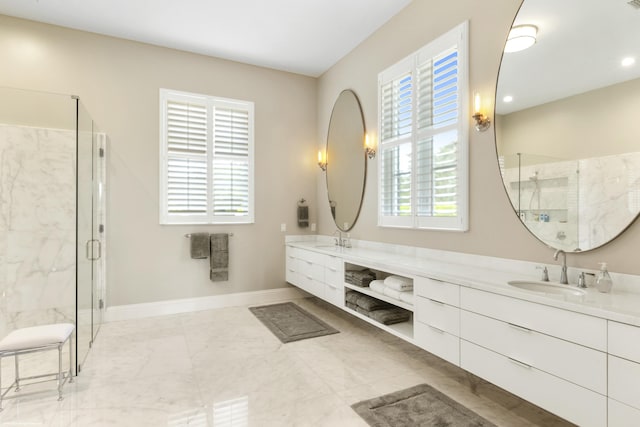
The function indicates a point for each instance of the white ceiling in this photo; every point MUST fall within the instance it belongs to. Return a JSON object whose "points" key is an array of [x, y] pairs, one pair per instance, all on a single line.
{"points": [[300, 36], [580, 46]]}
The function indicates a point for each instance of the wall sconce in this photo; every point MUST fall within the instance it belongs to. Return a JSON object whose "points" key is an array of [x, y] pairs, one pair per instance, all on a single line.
{"points": [[322, 163], [482, 122], [369, 149]]}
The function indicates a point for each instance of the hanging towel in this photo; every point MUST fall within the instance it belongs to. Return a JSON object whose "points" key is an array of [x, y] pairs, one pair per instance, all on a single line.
{"points": [[199, 245], [303, 216], [219, 259]]}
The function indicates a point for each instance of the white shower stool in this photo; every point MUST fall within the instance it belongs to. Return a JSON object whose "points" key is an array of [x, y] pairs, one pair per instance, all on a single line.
{"points": [[38, 338]]}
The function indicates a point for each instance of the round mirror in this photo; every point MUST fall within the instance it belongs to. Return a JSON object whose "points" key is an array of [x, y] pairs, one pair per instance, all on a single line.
{"points": [[346, 160], [567, 128]]}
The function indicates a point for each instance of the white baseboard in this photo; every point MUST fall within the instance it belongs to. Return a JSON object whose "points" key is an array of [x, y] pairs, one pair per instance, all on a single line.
{"points": [[162, 308]]}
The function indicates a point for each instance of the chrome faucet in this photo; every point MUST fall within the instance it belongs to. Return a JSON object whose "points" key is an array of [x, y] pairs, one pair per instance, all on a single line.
{"points": [[563, 270], [343, 242]]}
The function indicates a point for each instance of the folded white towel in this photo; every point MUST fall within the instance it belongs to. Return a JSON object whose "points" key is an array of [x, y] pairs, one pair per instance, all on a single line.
{"points": [[407, 297], [377, 286], [392, 293], [399, 283]]}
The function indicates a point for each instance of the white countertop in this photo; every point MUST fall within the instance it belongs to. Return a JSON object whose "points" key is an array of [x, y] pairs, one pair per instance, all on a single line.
{"points": [[478, 272]]}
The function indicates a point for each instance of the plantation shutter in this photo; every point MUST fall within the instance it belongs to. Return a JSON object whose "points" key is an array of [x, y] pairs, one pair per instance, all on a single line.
{"points": [[206, 159], [438, 116], [396, 129], [423, 137], [187, 158], [231, 162]]}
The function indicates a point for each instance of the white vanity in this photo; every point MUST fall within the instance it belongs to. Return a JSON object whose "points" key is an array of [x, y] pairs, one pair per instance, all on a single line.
{"points": [[577, 356]]}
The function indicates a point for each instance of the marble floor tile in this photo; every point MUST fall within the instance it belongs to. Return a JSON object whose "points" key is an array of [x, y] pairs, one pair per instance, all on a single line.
{"points": [[223, 367]]}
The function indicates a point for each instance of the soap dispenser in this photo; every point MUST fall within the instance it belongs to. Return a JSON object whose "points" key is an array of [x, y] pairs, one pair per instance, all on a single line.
{"points": [[603, 281]]}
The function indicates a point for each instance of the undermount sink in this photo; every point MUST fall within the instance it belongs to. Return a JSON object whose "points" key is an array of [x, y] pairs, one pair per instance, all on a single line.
{"points": [[546, 287]]}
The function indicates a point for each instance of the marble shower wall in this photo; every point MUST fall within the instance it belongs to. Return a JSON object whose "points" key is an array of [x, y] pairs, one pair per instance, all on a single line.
{"points": [[37, 226], [588, 201]]}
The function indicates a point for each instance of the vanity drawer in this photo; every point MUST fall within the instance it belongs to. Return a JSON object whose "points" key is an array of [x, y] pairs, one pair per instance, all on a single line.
{"points": [[580, 365], [311, 257], [576, 327], [309, 270], [438, 342], [334, 263], [334, 294], [570, 401], [624, 341], [621, 415], [437, 290], [438, 315], [334, 276], [624, 381], [310, 285]]}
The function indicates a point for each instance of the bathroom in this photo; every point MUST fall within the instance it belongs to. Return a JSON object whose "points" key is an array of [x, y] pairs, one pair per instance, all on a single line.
{"points": [[149, 271]]}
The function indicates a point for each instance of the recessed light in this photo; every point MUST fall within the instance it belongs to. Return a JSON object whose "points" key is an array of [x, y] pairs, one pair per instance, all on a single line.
{"points": [[521, 37], [508, 98], [627, 62]]}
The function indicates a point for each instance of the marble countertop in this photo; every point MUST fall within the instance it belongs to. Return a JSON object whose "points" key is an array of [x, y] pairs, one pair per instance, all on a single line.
{"points": [[619, 305]]}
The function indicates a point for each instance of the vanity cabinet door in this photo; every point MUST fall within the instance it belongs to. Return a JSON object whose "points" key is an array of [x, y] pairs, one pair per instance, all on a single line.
{"points": [[565, 399], [437, 318], [624, 381], [578, 364], [624, 341], [575, 327], [621, 415], [334, 280]]}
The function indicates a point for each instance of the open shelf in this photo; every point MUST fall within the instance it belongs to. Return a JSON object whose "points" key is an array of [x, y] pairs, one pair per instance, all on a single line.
{"points": [[368, 291], [403, 330]]}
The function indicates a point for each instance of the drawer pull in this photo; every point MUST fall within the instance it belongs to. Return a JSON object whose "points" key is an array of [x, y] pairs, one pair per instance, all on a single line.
{"points": [[292, 270], [308, 262], [436, 329], [519, 363], [518, 327], [309, 277], [332, 286], [333, 269], [436, 301]]}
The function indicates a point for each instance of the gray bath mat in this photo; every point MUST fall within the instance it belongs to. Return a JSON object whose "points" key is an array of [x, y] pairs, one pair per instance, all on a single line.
{"points": [[290, 323], [422, 406]]}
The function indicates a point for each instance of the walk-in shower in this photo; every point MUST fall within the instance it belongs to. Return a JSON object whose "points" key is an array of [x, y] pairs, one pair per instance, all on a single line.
{"points": [[52, 222]]}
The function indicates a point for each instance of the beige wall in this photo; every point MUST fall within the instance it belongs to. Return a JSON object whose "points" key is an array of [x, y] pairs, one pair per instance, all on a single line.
{"points": [[598, 123], [118, 82], [494, 228]]}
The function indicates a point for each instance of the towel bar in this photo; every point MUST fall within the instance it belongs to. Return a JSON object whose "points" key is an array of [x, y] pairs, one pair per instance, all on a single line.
{"points": [[188, 235]]}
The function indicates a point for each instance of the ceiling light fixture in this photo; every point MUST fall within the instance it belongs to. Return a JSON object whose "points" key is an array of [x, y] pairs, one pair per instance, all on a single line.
{"points": [[508, 98], [521, 37], [627, 62]]}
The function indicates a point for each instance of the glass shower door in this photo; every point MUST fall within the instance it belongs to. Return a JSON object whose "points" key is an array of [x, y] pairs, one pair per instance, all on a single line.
{"points": [[90, 229]]}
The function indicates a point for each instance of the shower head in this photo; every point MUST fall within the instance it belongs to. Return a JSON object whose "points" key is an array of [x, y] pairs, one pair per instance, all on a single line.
{"points": [[534, 178]]}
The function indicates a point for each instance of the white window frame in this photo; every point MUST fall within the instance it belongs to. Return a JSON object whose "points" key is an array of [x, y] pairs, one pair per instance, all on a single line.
{"points": [[211, 103], [458, 36]]}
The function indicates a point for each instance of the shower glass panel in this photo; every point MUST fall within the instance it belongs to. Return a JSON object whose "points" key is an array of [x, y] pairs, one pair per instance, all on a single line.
{"points": [[90, 245], [545, 194], [49, 209]]}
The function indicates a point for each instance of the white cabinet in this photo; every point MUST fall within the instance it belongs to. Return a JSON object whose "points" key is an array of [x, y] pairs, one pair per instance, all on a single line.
{"points": [[577, 404], [624, 374], [318, 274], [437, 326], [549, 356]]}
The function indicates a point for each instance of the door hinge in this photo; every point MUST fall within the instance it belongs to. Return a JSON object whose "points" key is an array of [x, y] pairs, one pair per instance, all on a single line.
{"points": [[101, 152], [101, 304], [101, 228]]}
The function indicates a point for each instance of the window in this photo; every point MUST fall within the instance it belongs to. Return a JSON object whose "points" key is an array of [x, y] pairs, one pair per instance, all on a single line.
{"points": [[423, 134], [206, 159]]}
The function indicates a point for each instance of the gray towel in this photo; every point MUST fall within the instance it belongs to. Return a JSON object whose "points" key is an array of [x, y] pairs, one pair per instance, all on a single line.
{"points": [[390, 316], [219, 259], [371, 304], [303, 216], [199, 245]]}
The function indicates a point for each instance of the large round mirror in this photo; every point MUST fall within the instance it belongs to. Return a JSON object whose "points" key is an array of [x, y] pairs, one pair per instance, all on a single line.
{"points": [[567, 127], [346, 160]]}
